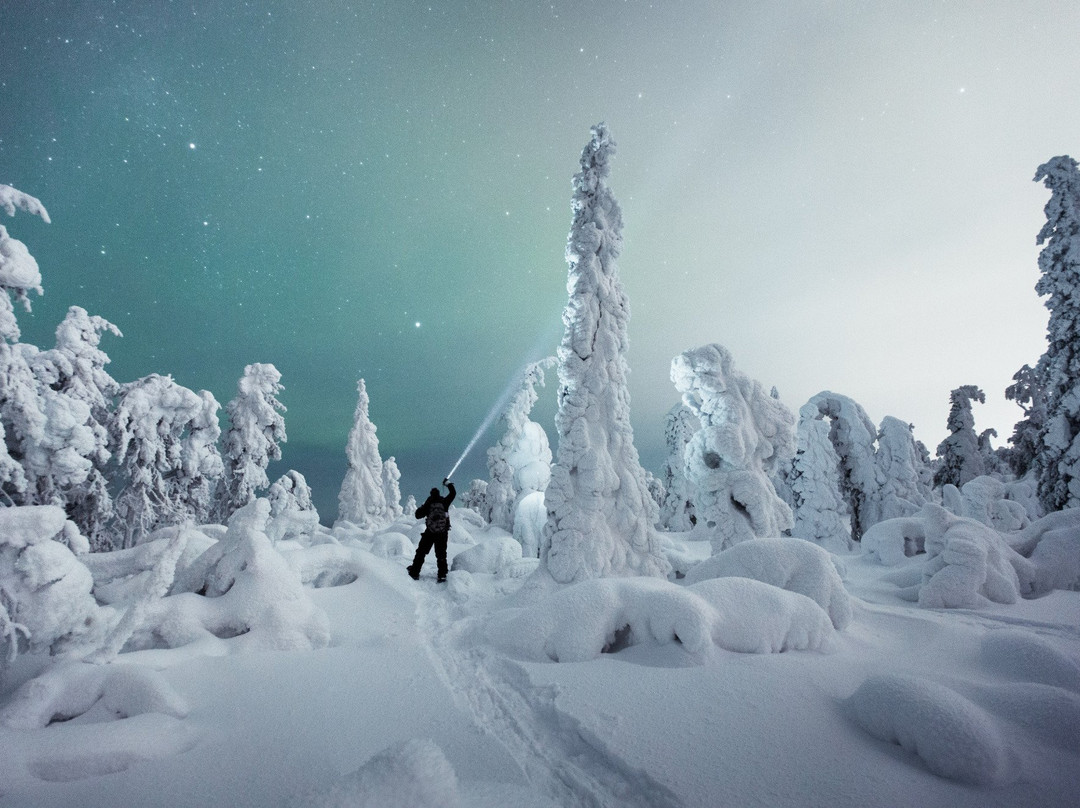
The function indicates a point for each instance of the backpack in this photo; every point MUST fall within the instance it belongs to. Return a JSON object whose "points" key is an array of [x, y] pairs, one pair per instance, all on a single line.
{"points": [[437, 519]]}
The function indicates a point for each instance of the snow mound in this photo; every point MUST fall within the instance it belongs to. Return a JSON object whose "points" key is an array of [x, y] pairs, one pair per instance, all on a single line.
{"points": [[969, 564], [893, 540], [792, 564], [392, 545], [72, 689], [46, 601], [414, 774], [325, 565], [953, 737], [240, 588], [491, 556], [1031, 658], [758, 618], [582, 621]]}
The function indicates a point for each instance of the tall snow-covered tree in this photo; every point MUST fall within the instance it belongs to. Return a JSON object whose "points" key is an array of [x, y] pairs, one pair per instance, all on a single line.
{"points": [[76, 368], [391, 476], [1029, 393], [1058, 459], [254, 437], [165, 438], [362, 499], [677, 509], [601, 516], [745, 434], [852, 435], [959, 459], [821, 512], [520, 463], [902, 489]]}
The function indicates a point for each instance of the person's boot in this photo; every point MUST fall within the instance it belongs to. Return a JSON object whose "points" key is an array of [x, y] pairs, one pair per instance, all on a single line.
{"points": [[414, 574]]}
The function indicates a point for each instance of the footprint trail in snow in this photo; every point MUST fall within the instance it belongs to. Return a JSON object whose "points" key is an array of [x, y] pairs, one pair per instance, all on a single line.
{"points": [[554, 750]]}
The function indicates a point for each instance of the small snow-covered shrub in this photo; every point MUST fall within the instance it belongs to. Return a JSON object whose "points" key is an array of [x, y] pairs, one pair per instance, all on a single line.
{"points": [[954, 737], [45, 600], [792, 564], [239, 586], [414, 774], [893, 540], [757, 618], [490, 556], [968, 564], [582, 621], [71, 689]]}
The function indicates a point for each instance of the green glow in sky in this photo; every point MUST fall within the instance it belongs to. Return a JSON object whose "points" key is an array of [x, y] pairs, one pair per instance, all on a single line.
{"points": [[839, 192]]}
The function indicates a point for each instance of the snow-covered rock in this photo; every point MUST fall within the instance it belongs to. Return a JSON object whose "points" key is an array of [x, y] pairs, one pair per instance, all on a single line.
{"points": [[491, 556]]}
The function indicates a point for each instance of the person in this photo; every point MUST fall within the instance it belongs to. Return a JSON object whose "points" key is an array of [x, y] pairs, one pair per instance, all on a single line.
{"points": [[436, 513]]}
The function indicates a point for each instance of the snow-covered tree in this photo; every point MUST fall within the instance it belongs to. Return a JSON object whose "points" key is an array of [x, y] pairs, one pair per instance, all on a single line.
{"points": [[677, 509], [902, 489], [821, 512], [1058, 459], [256, 432], [745, 434], [292, 513], [19, 273], [852, 435], [362, 499], [520, 463], [959, 459], [1029, 393], [391, 476], [165, 438], [600, 515], [76, 368]]}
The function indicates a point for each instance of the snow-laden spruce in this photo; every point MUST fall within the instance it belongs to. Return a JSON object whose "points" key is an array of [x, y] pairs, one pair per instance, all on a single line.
{"points": [[677, 508], [959, 457], [520, 463], [902, 473], [1058, 459], [254, 437], [391, 478], [19, 273], [600, 512], [166, 447], [745, 434], [362, 499], [821, 513]]}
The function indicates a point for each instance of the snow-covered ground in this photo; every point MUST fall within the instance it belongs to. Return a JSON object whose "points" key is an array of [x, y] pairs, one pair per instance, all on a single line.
{"points": [[444, 695]]}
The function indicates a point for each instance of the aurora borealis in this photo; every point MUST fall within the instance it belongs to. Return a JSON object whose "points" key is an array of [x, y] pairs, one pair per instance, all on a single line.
{"points": [[839, 192]]}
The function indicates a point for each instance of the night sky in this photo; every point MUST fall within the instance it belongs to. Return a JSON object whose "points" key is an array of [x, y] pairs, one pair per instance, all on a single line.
{"points": [[839, 192]]}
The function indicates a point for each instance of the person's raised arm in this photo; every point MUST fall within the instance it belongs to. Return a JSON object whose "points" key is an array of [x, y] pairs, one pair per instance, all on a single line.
{"points": [[453, 492]]}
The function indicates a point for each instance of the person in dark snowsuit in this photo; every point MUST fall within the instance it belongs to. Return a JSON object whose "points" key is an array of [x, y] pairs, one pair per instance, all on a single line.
{"points": [[436, 512]]}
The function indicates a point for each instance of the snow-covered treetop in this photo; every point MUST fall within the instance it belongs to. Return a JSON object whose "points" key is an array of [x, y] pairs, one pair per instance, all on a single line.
{"points": [[19, 271], [12, 198], [960, 416]]}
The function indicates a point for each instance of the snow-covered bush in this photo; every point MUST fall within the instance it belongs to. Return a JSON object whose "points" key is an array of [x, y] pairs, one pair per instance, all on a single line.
{"points": [[677, 508], [240, 588], [600, 515], [45, 600], [520, 463], [959, 459], [529, 521], [166, 447], [986, 499], [893, 540], [581, 622], [791, 564], [362, 499], [254, 437], [292, 513], [745, 434]]}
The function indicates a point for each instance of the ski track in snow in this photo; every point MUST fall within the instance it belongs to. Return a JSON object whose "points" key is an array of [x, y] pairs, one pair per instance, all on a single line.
{"points": [[554, 750]]}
